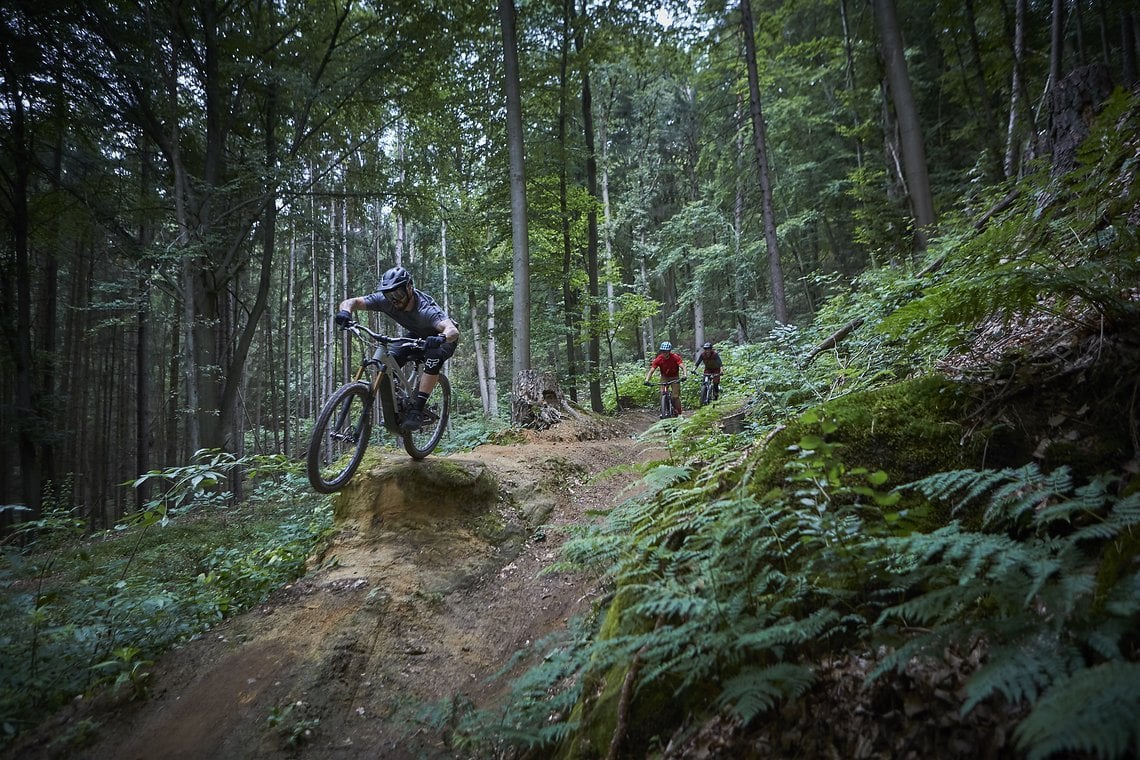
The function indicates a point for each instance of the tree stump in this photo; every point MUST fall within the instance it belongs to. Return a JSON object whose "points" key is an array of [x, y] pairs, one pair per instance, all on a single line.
{"points": [[537, 401]]}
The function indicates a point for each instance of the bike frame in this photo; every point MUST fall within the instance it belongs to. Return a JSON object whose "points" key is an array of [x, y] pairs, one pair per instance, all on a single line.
{"points": [[707, 382], [382, 368], [665, 392]]}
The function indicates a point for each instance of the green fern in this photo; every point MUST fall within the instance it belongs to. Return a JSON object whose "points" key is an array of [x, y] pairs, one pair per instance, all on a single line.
{"points": [[1030, 590], [755, 690], [1096, 711], [1022, 671]]}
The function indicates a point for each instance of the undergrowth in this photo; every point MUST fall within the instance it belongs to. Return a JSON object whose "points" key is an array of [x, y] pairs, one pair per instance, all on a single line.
{"points": [[80, 613], [724, 591]]}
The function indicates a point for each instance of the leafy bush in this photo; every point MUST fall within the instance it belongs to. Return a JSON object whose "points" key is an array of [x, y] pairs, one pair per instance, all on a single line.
{"points": [[120, 599]]}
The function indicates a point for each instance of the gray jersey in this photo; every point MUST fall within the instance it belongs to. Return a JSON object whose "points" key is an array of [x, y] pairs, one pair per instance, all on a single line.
{"points": [[418, 323]]}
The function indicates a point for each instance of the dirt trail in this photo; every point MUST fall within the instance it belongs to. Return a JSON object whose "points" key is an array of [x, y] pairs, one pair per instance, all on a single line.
{"points": [[418, 603]]}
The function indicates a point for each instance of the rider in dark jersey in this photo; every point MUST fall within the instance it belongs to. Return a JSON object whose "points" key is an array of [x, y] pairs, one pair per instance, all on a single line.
{"points": [[711, 359], [421, 317]]}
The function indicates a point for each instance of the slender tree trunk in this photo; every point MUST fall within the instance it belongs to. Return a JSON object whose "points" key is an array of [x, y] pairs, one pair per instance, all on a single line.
{"points": [[1128, 47], [1057, 43], [492, 371], [443, 255], [989, 130], [569, 294], [287, 384], [593, 358], [849, 76], [480, 364], [17, 327], [910, 130], [775, 269], [649, 336], [1012, 143], [142, 339], [738, 285], [519, 229], [607, 212]]}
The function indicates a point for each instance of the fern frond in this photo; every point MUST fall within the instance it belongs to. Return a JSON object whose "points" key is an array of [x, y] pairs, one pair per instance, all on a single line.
{"points": [[964, 487], [1124, 517], [1124, 597], [755, 690], [1021, 671], [1026, 489], [775, 638], [1096, 711]]}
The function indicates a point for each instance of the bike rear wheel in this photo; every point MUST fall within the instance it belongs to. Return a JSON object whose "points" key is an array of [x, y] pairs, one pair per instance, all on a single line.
{"points": [[340, 437], [419, 443]]}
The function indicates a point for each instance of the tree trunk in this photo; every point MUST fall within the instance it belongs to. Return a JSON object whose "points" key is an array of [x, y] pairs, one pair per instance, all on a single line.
{"points": [[1012, 143], [569, 295], [989, 127], [849, 75], [1057, 42], [480, 364], [910, 130], [287, 385], [492, 361], [775, 269], [593, 359], [1128, 47], [519, 229], [443, 255], [1073, 102]]}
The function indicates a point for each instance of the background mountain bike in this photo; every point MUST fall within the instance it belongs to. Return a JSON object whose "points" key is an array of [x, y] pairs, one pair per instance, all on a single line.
{"points": [[344, 425], [709, 391], [667, 408]]}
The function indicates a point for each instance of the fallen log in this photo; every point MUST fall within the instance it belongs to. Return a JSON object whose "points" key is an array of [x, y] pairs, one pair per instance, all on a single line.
{"points": [[832, 340]]}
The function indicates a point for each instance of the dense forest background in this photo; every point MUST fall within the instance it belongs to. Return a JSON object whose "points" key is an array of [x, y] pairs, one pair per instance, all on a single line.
{"points": [[190, 188]]}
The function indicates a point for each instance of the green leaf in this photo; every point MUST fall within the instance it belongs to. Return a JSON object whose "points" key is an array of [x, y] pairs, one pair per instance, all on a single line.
{"points": [[877, 478]]}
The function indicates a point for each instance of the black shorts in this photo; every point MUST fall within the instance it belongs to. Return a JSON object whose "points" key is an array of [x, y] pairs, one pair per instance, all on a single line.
{"points": [[433, 358]]}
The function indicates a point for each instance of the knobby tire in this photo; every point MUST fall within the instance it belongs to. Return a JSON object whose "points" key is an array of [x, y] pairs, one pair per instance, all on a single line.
{"points": [[422, 442], [342, 430]]}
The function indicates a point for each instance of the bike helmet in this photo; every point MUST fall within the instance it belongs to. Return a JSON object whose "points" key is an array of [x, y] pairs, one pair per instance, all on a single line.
{"points": [[707, 346], [666, 346], [396, 277]]}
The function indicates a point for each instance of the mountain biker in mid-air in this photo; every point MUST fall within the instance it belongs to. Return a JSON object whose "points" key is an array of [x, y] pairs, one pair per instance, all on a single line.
{"points": [[421, 317], [712, 361], [671, 367]]}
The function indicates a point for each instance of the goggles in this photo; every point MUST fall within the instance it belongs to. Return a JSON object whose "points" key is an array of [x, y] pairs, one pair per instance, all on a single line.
{"points": [[398, 296]]}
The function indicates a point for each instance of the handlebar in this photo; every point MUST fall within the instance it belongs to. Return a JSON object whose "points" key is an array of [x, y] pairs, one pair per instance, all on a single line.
{"points": [[665, 382], [356, 328]]}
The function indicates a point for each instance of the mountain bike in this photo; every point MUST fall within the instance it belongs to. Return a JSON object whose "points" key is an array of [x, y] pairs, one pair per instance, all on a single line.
{"points": [[709, 391], [381, 392], [668, 408]]}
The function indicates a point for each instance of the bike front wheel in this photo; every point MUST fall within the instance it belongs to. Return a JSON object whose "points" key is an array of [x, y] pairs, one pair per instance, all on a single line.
{"points": [[421, 442], [666, 405], [340, 437]]}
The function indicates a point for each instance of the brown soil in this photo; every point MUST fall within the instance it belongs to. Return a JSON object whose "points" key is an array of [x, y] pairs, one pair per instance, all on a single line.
{"points": [[425, 595]]}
